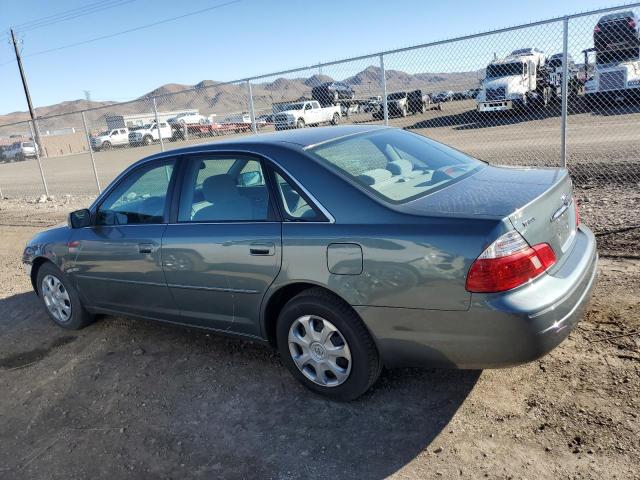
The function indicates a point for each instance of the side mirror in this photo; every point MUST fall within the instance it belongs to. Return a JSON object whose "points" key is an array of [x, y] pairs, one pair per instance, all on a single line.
{"points": [[248, 179], [80, 218]]}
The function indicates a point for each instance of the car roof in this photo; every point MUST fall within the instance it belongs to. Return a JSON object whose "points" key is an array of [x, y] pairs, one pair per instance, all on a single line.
{"points": [[296, 139]]}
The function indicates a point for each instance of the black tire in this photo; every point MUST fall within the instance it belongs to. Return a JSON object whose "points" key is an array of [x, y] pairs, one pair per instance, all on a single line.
{"points": [[365, 361], [300, 123], [106, 145], [79, 318], [148, 140], [336, 119]]}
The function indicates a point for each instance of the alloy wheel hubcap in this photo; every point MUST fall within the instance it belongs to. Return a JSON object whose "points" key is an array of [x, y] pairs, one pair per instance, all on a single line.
{"points": [[319, 351], [56, 298]]}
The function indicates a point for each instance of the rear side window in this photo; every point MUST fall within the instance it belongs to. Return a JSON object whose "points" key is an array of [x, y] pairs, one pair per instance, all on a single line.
{"points": [[220, 189], [395, 165]]}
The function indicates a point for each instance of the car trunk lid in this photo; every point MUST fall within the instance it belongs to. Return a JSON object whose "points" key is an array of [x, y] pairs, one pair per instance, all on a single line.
{"points": [[536, 201]]}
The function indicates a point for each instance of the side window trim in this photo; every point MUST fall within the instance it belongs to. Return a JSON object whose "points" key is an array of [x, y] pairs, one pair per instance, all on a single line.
{"points": [[126, 174]]}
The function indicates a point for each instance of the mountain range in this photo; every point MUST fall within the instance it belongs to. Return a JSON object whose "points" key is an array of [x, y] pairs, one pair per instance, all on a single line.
{"points": [[223, 98]]}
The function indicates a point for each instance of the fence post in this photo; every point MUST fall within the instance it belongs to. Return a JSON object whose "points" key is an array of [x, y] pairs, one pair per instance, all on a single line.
{"points": [[383, 84], [252, 112], [93, 161], [565, 91], [155, 112], [44, 181]]}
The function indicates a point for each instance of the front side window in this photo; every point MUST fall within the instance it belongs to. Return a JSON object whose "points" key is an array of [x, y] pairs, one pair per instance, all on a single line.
{"points": [[395, 165], [139, 198], [224, 189]]}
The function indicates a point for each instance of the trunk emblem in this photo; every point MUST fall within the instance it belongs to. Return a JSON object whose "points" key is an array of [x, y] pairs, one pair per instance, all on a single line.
{"points": [[566, 201]]}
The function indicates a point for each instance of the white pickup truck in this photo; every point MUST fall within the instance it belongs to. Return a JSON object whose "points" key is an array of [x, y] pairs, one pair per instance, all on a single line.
{"points": [[110, 138], [21, 151], [301, 114], [148, 134]]}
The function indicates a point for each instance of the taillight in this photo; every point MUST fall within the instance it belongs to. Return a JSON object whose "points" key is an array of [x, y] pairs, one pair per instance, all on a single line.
{"points": [[577, 210], [596, 29], [632, 23], [508, 263]]}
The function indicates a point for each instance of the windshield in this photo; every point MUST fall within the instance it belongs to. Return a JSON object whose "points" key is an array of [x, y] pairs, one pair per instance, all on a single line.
{"points": [[504, 70], [395, 165], [27, 144], [396, 95], [287, 106]]}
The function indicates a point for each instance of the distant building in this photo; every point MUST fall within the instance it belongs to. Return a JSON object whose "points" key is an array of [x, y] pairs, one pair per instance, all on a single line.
{"points": [[139, 119]]}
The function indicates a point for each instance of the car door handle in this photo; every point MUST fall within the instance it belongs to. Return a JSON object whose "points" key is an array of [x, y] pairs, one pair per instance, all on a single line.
{"points": [[262, 249], [145, 247]]}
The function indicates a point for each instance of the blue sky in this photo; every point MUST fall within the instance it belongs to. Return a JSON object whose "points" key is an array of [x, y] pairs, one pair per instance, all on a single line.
{"points": [[254, 37]]}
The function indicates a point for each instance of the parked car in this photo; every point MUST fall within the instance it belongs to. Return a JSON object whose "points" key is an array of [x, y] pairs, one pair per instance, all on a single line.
{"points": [[473, 93], [148, 134], [346, 248], [20, 151], [301, 114], [110, 138], [188, 118], [331, 92], [617, 31], [441, 97], [402, 103]]}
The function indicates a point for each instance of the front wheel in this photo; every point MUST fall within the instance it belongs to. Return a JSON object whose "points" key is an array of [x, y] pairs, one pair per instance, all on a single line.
{"points": [[326, 347], [106, 145], [336, 119], [148, 140], [60, 298], [300, 123]]}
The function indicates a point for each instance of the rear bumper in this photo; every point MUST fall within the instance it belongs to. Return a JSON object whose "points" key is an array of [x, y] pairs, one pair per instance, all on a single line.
{"points": [[498, 330]]}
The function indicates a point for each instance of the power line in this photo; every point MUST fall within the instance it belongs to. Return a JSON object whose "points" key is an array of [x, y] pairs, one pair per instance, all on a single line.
{"points": [[56, 16], [131, 30], [82, 13]]}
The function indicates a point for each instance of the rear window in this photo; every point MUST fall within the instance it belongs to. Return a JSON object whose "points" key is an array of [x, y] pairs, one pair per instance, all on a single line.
{"points": [[395, 165]]}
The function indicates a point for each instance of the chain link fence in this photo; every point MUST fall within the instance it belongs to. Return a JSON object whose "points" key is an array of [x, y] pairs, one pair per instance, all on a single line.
{"points": [[560, 92]]}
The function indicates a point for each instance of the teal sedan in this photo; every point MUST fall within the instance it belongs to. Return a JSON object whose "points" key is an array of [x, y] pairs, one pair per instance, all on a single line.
{"points": [[346, 248]]}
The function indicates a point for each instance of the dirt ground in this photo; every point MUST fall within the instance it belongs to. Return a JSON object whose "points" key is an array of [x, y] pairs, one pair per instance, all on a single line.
{"points": [[133, 399]]}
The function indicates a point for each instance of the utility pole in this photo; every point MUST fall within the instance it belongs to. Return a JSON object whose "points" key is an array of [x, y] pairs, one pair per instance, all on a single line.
{"points": [[26, 91]]}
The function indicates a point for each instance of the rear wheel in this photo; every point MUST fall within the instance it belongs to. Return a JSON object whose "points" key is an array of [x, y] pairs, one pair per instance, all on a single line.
{"points": [[148, 140], [326, 347], [106, 145], [300, 123], [61, 299], [336, 119]]}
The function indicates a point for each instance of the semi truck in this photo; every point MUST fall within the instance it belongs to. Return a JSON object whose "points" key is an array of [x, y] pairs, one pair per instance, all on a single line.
{"points": [[515, 81]]}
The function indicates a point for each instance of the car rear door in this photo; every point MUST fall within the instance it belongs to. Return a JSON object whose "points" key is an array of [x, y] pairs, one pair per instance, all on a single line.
{"points": [[118, 263], [222, 249]]}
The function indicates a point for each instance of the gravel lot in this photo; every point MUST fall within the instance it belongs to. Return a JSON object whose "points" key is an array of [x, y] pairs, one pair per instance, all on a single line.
{"points": [[133, 399]]}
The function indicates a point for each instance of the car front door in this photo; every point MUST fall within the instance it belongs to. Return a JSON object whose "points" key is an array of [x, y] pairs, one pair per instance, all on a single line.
{"points": [[118, 263], [223, 248]]}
